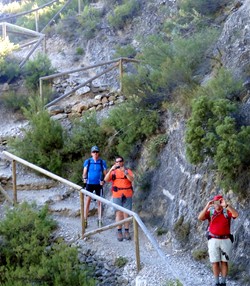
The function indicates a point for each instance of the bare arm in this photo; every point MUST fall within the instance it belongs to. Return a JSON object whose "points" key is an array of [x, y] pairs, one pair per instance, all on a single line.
{"points": [[202, 214], [233, 211]]}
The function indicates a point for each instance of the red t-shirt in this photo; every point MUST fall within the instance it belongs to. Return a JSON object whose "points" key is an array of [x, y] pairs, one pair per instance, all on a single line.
{"points": [[219, 224]]}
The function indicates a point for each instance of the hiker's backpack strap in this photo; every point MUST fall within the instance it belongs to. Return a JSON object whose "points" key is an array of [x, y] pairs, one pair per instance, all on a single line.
{"points": [[212, 212]]}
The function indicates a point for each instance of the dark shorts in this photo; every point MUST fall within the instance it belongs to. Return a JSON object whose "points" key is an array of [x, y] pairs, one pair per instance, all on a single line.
{"points": [[97, 188], [127, 203]]}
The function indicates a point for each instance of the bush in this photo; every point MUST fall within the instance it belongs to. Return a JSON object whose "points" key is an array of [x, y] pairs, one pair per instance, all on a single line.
{"points": [[34, 69], [30, 257], [9, 69], [89, 21], [43, 141], [14, 101], [212, 132], [169, 65], [123, 13], [182, 230], [121, 261], [126, 51], [200, 254], [204, 7], [128, 125]]}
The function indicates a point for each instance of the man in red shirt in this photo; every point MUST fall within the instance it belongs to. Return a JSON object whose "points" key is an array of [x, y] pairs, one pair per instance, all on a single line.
{"points": [[219, 213], [122, 192]]}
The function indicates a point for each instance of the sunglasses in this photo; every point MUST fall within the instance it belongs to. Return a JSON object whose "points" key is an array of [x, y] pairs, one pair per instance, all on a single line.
{"points": [[119, 161], [95, 152]]}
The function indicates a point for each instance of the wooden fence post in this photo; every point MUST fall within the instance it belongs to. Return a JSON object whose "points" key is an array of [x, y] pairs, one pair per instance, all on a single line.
{"points": [[82, 212], [14, 181], [137, 248], [36, 20], [4, 31], [121, 73]]}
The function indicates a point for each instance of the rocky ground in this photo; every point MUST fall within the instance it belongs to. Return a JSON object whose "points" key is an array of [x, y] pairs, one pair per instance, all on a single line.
{"points": [[102, 250]]}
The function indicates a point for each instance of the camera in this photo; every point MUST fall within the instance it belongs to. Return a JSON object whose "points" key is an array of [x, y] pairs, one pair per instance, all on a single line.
{"points": [[117, 167]]}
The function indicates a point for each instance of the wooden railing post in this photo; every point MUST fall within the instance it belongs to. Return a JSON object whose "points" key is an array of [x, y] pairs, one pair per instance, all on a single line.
{"points": [[121, 73], [4, 31], [36, 20], [14, 181], [82, 212], [79, 7], [137, 248]]}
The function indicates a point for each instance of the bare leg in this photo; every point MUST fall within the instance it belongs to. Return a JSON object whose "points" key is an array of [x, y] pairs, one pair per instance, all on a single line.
{"points": [[87, 204], [99, 205], [216, 269], [224, 268], [126, 224], [119, 217]]}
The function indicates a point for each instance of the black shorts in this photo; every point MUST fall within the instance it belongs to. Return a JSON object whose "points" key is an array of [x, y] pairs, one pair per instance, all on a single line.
{"points": [[97, 188]]}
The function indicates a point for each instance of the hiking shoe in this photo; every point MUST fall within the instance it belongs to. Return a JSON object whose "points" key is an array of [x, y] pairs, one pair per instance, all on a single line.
{"points": [[85, 223], [222, 284], [217, 284], [99, 223], [127, 235], [119, 236]]}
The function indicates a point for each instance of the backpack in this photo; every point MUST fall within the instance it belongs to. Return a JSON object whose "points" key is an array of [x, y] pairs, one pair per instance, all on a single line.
{"points": [[102, 168]]}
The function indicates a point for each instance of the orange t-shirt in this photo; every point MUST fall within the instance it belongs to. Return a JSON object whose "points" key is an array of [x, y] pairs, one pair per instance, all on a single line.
{"points": [[123, 185]]}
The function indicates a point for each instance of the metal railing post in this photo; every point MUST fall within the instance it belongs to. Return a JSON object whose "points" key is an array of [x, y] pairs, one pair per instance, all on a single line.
{"points": [[137, 248], [14, 181]]}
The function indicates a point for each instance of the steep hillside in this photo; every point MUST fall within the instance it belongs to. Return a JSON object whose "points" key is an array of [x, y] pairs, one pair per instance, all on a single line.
{"points": [[173, 190]]}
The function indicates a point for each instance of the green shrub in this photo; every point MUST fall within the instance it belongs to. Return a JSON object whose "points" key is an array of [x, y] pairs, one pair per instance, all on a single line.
{"points": [[15, 101], [29, 256], [43, 141], [128, 125], [200, 254], [121, 261], [204, 7], [212, 132], [34, 69], [182, 229], [126, 51], [9, 69], [174, 283], [89, 21], [79, 51], [123, 13], [155, 144], [168, 65]]}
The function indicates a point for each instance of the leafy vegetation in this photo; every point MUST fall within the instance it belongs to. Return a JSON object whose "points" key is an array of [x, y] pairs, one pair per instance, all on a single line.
{"points": [[204, 7], [42, 143], [182, 230], [9, 68], [212, 132], [29, 256], [123, 13], [168, 65], [34, 69], [89, 21]]}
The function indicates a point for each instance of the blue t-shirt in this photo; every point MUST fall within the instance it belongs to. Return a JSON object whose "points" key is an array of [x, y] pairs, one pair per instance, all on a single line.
{"points": [[95, 172]]}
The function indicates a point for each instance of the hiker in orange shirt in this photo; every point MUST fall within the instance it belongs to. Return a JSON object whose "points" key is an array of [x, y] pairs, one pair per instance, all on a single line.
{"points": [[122, 192]]}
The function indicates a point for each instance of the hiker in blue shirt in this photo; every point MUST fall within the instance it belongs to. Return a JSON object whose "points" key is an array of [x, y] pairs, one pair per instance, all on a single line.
{"points": [[94, 170]]}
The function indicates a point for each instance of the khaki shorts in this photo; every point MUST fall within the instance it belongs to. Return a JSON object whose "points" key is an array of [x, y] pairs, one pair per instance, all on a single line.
{"points": [[219, 249]]}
